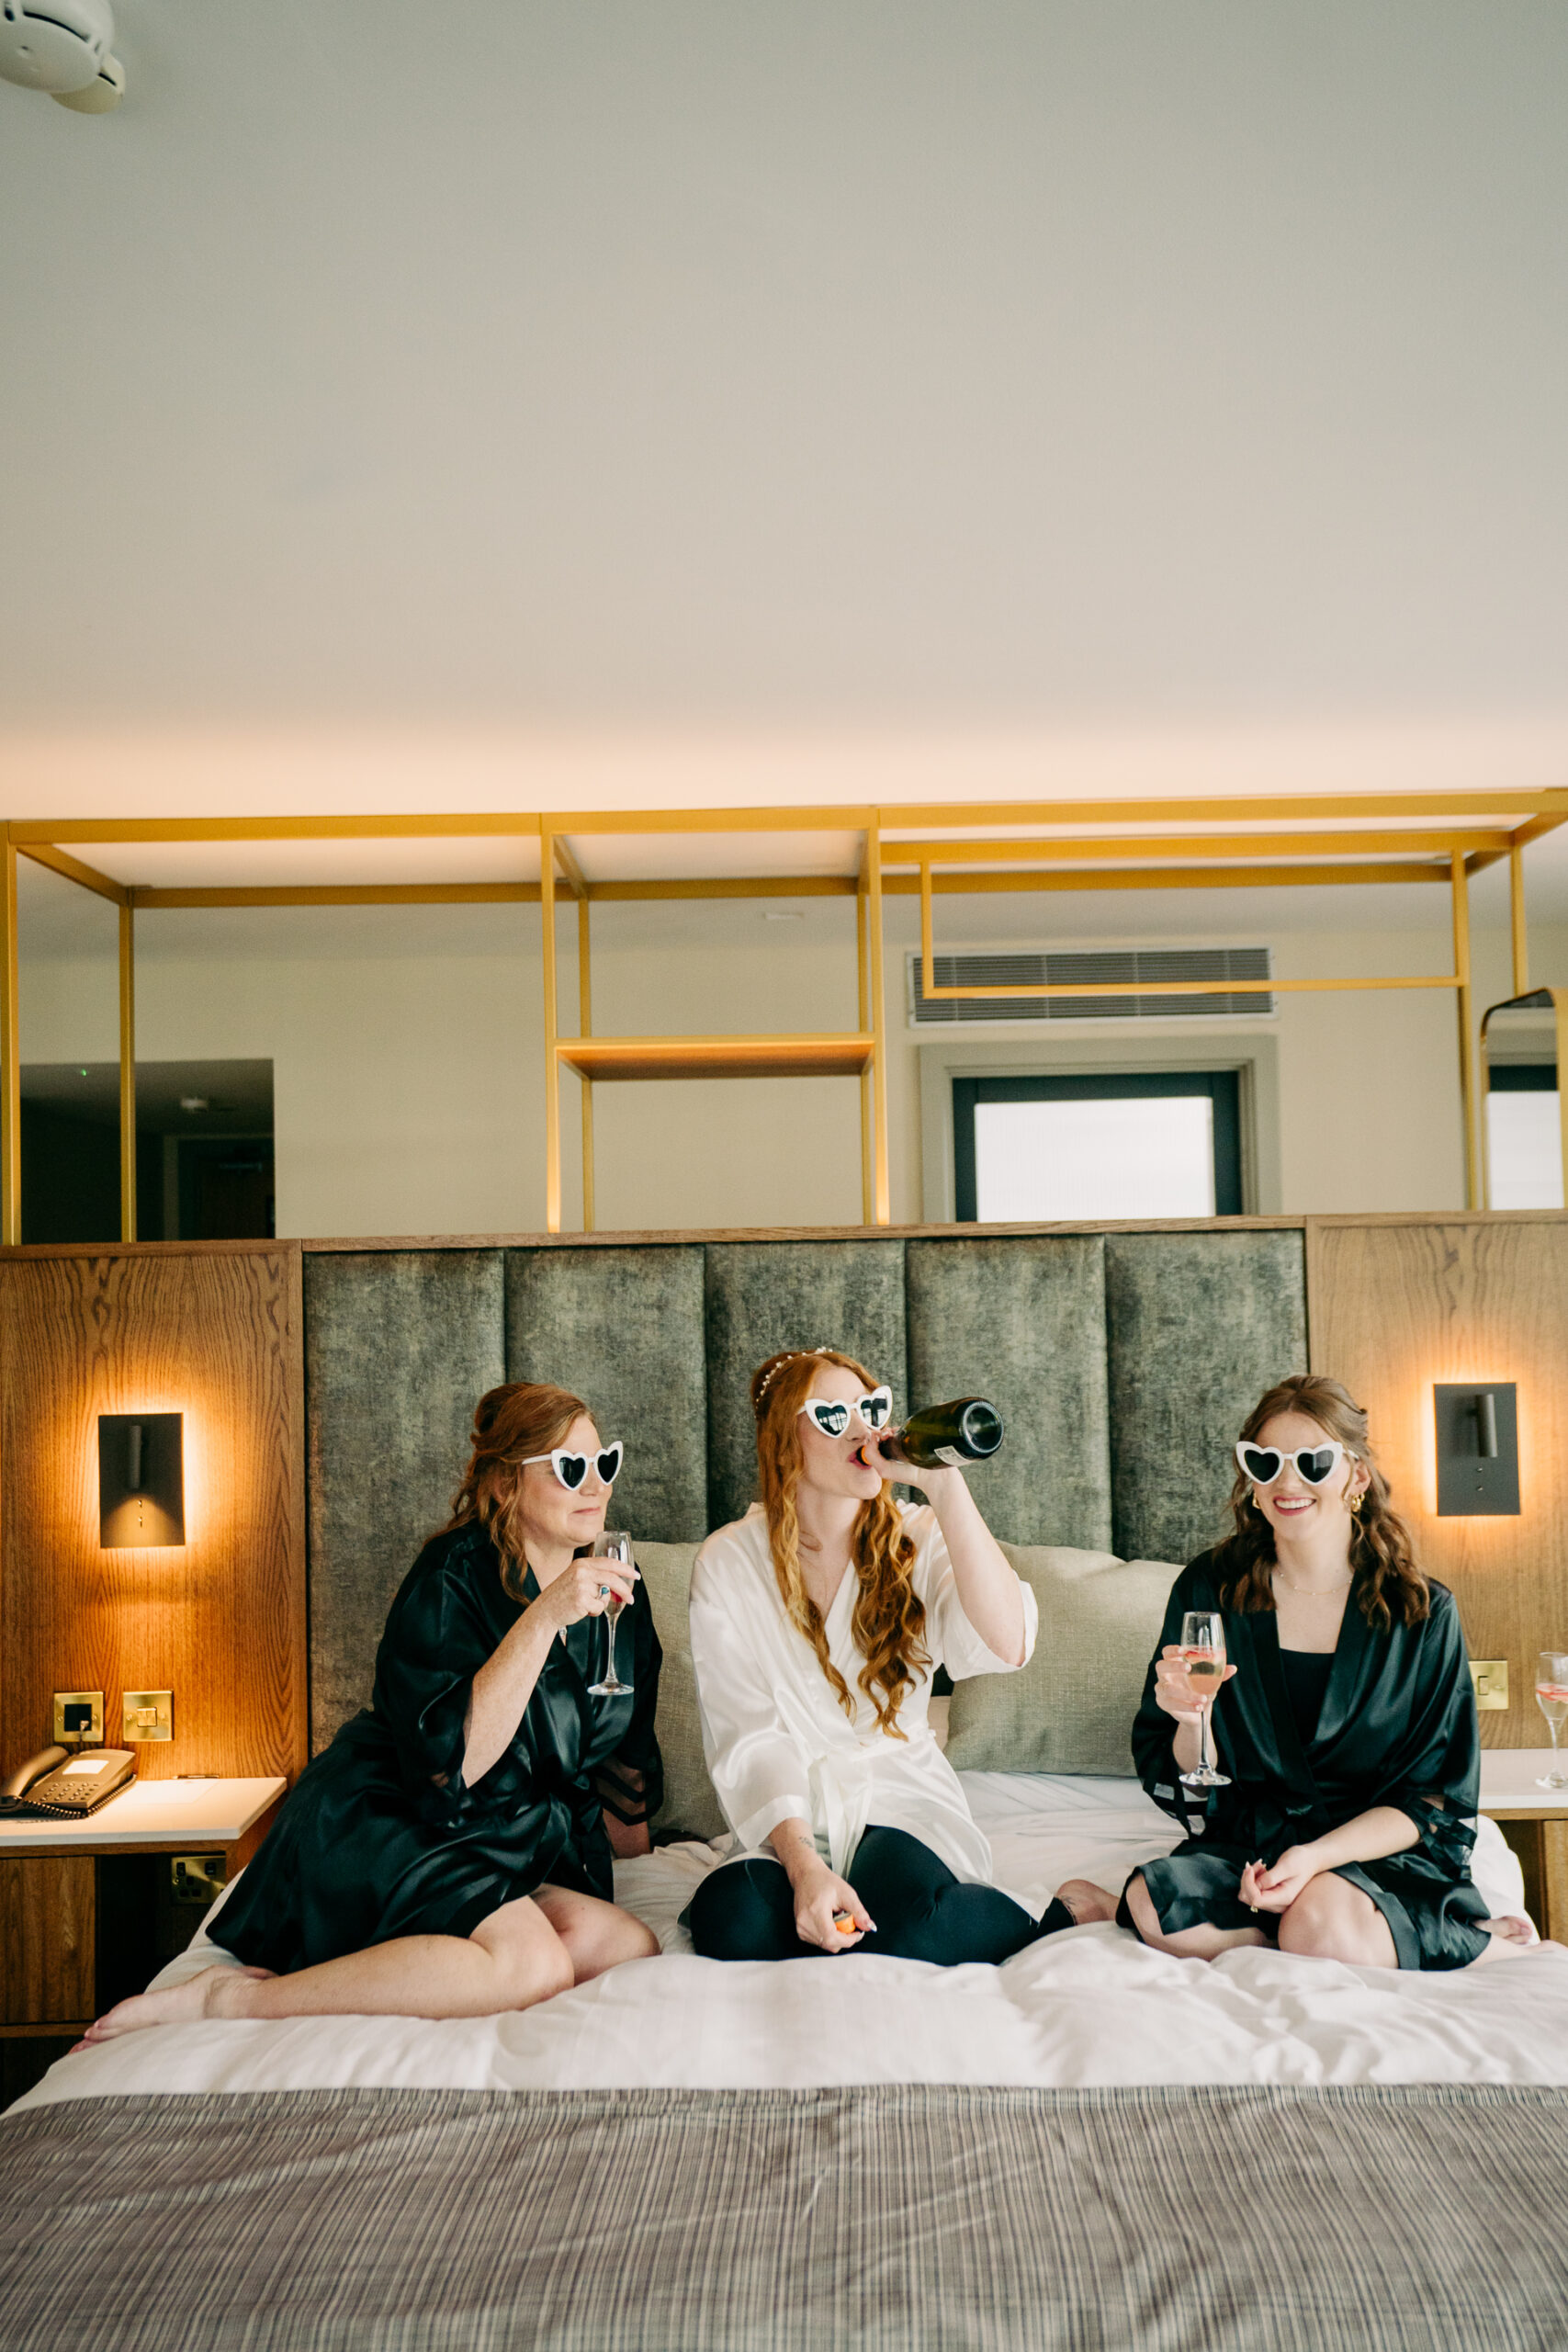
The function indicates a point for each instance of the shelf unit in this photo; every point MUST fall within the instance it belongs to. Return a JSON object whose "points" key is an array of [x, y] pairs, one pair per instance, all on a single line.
{"points": [[915, 850]]}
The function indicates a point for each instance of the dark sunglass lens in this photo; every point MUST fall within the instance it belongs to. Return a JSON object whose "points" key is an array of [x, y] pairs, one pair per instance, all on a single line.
{"points": [[609, 1464], [573, 1469], [833, 1420], [875, 1411], [1262, 1463], [1315, 1467]]}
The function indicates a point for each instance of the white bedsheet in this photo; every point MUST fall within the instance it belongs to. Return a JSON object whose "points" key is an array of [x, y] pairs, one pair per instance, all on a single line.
{"points": [[1090, 2006]]}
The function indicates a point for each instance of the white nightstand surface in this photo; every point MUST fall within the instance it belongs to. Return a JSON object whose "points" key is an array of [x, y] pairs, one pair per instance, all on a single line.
{"points": [[155, 1812], [1508, 1777]]}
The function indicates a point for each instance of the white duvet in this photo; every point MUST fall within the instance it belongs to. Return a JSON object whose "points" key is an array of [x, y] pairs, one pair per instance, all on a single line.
{"points": [[1089, 2007]]}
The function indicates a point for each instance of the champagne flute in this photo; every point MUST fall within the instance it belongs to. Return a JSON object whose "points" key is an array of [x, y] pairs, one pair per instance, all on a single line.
{"points": [[613, 1545], [1203, 1655], [1551, 1698]]}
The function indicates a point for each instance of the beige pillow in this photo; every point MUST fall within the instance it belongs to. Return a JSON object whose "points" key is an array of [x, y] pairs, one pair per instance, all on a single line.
{"points": [[690, 1807], [1071, 1708]]}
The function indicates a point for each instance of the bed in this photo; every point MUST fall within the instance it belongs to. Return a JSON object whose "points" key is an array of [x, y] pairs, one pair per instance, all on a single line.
{"points": [[1093, 2146]]}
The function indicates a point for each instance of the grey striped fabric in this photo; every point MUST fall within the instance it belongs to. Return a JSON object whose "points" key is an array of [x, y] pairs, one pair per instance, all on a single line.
{"points": [[1365, 2220]]}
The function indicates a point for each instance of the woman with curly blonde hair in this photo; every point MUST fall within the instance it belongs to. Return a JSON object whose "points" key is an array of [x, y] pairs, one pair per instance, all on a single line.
{"points": [[818, 1621]]}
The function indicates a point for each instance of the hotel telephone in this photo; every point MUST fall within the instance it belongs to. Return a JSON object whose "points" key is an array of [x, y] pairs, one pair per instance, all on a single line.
{"points": [[59, 1784]]}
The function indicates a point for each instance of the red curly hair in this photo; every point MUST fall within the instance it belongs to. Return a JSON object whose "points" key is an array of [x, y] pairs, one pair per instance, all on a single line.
{"points": [[889, 1616]]}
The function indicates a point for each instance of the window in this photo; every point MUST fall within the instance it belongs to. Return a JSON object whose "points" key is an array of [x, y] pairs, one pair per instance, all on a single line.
{"points": [[1524, 1137], [1141, 1144]]}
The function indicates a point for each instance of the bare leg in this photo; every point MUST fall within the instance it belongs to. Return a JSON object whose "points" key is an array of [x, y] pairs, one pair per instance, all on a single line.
{"points": [[1513, 1938], [1331, 1919], [596, 1934], [1201, 1942], [512, 1960], [1086, 1900]]}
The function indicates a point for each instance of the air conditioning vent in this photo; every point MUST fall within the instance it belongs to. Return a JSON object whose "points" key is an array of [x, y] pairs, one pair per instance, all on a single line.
{"points": [[1149, 966]]}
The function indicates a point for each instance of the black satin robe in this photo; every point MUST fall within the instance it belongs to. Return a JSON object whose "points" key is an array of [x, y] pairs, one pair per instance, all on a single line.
{"points": [[382, 1836], [1397, 1727]]}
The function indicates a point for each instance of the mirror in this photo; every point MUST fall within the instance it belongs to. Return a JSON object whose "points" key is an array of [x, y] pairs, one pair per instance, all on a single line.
{"points": [[1520, 1043]]}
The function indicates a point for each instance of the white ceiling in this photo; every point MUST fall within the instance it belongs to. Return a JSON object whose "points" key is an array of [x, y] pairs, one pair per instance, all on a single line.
{"points": [[1002, 377]]}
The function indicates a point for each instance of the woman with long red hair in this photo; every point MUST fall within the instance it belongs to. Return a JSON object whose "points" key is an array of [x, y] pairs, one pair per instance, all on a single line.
{"points": [[449, 1854], [818, 1621]]}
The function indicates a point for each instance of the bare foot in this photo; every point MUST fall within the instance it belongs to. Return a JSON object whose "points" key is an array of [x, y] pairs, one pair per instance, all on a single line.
{"points": [[211, 1995], [1086, 1900], [1513, 1926]]}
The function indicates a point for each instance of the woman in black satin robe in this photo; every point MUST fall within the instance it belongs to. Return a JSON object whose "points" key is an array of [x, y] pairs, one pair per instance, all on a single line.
{"points": [[449, 1854], [1347, 1722]]}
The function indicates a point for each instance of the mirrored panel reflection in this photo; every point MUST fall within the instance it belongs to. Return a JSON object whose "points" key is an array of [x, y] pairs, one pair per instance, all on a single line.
{"points": [[1523, 1102]]}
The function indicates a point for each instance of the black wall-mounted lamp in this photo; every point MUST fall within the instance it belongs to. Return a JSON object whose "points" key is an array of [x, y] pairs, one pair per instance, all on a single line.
{"points": [[142, 1496], [1478, 1450]]}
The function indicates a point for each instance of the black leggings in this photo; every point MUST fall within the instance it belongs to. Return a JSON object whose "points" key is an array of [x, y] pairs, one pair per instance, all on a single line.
{"points": [[745, 1910]]}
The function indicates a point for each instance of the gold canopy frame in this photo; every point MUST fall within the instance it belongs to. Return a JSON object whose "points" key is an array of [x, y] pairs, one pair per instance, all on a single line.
{"points": [[913, 850]]}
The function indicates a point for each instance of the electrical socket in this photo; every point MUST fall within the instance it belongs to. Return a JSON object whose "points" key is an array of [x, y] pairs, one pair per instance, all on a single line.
{"points": [[71, 1729], [1490, 1676], [147, 1715]]}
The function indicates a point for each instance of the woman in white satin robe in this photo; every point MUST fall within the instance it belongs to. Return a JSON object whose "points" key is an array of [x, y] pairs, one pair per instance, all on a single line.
{"points": [[817, 1622]]}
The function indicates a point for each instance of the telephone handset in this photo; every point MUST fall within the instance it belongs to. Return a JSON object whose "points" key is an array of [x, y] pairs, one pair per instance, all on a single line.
{"points": [[58, 1784]]}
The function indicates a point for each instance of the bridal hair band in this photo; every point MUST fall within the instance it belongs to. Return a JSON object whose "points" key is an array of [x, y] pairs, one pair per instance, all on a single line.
{"points": [[791, 1355]]}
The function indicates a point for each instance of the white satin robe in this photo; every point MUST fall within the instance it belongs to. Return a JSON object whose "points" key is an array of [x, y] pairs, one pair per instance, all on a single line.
{"points": [[779, 1746]]}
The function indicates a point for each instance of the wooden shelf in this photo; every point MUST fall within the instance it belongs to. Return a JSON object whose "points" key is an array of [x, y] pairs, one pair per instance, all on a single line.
{"points": [[601, 1059]]}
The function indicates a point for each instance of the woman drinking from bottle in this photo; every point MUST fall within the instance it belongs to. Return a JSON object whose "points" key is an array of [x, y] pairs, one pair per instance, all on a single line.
{"points": [[817, 1622], [449, 1854], [1337, 1816]]}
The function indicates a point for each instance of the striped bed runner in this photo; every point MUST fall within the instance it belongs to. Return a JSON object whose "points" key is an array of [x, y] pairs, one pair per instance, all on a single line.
{"points": [[1228, 2220]]}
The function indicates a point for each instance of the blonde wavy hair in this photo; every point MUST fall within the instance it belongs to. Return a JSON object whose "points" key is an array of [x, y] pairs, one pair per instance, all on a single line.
{"points": [[889, 1616]]}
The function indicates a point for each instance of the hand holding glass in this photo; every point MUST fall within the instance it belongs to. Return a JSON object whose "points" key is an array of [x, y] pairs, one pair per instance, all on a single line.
{"points": [[1551, 1698], [1204, 1655], [613, 1545]]}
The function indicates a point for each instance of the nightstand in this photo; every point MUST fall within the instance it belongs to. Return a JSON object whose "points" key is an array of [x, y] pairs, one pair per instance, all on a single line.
{"points": [[1535, 1823], [89, 1910]]}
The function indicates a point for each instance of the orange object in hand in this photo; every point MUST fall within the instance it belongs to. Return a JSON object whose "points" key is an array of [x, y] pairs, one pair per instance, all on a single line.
{"points": [[845, 1922]]}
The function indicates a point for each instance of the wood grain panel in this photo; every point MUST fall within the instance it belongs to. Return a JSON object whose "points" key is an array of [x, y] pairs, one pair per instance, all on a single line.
{"points": [[47, 1921], [1397, 1305], [214, 1334]]}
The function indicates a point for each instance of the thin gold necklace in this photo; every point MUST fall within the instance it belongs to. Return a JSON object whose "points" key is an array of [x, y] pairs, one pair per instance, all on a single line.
{"points": [[1313, 1591]]}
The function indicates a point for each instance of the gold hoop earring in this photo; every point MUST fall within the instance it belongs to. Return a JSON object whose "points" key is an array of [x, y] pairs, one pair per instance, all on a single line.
{"points": [[1353, 1504]]}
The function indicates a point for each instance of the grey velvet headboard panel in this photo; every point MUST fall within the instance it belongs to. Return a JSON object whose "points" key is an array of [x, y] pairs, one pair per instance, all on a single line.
{"points": [[763, 1295], [1199, 1326], [399, 1347], [1124, 1362], [624, 1328], [1022, 1322]]}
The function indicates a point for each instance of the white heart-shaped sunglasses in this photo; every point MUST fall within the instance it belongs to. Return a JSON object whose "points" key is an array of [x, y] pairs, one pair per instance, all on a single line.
{"points": [[1264, 1463], [573, 1468], [832, 1414]]}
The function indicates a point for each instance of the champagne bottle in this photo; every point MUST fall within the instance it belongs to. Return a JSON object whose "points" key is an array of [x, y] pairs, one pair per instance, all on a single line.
{"points": [[969, 1430]]}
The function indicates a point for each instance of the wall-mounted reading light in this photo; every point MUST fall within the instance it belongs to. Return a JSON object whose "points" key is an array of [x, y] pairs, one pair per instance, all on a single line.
{"points": [[142, 1497], [1478, 1450]]}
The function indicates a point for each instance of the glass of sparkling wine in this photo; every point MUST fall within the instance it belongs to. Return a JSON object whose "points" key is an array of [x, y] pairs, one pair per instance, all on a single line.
{"points": [[1551, 1698], [1203, 1655], [613, 1545]]}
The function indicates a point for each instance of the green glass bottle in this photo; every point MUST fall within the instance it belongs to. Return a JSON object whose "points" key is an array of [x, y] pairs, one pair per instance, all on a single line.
{"points": [[969, 1430]]}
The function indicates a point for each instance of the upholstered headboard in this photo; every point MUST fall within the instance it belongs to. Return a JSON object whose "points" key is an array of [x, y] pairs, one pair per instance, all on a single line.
{"points": [[1114, 1356]]}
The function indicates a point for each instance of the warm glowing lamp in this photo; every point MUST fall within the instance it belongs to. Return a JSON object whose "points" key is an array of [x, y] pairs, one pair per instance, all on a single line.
{"points": [[1478, 1448], [141, 1500]]}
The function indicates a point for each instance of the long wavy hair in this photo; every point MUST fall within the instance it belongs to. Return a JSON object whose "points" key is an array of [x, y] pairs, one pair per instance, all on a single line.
{"points": [[889, 1616], [1387, 1582], [523, 1417]]}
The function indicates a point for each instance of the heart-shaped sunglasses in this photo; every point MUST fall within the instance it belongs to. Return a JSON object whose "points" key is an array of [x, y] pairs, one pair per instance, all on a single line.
{"points": [[573, 1468], [832, 1414], [1264, 1463]]}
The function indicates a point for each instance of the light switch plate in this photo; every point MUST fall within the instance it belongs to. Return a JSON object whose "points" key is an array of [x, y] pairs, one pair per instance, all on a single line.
{"points": [[147, 1715], [75, 1734], [1490, 1676]]}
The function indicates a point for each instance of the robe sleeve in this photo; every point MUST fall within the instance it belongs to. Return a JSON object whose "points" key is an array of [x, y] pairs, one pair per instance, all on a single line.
{"points": [[1154, 1732], [949, 1636], [1435, 1769], [759, 1773], [630, 1783], [435, 1641]]}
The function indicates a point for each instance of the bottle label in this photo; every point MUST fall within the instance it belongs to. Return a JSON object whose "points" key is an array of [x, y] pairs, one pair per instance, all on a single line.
{"points": [[952, 1454]]}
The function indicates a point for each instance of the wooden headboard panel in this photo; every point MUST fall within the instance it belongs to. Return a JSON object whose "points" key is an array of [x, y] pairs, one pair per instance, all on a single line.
{"points": [[327, 1387]]}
